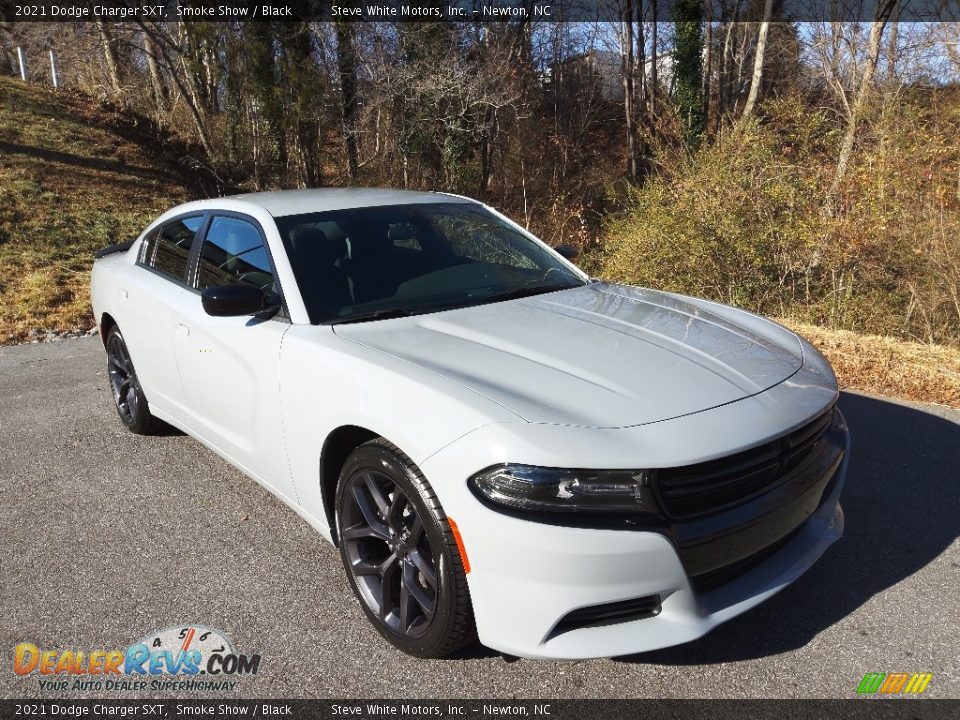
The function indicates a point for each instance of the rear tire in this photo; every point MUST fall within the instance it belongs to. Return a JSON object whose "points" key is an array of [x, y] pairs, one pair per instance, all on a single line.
{"points": [[128, 396], [400, 555]]}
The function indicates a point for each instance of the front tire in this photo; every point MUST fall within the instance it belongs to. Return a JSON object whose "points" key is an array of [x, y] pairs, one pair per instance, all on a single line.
{"points": [[128, 396], [400, 555]]}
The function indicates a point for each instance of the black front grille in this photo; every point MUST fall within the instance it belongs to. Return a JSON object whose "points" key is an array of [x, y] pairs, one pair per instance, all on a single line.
{"points": [[617, 612], [694, 490], [721, 576]]}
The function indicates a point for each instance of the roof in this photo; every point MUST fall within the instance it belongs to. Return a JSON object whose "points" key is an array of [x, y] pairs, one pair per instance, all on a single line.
{"points": [[296, 202]]}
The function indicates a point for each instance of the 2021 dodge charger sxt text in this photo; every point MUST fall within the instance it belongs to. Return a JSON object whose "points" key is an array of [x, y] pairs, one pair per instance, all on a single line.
{"points": [[497, 443]]}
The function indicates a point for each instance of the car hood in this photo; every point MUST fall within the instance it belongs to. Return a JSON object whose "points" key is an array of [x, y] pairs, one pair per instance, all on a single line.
{"points": [[601, 355]]}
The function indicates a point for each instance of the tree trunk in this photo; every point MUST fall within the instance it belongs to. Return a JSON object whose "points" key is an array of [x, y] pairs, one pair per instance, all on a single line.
{"points": [[160, 92], [641, 60], [486, 150], [347, 69], [707, 65], [654, 60], [860, 101], [758, 60], [110, 55], [688, 69], [892, 46], [627, 66], [210, 95], [303, 86], [725, 91]]}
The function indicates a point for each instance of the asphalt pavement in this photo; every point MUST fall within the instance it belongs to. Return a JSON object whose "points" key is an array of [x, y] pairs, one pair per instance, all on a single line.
{"points": [[106, 536]]}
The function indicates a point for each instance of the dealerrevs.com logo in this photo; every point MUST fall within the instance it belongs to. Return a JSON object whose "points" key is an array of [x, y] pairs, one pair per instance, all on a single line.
{"points": [[178, 658]]}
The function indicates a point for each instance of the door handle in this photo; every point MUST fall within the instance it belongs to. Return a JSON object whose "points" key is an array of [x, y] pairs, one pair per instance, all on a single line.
{"points": [[182, 329], [122, 293]]}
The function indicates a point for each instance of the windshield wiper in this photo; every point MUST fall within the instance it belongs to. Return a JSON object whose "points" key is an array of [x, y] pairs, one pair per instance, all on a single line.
{"points": [[382, 314], [522, 292]]}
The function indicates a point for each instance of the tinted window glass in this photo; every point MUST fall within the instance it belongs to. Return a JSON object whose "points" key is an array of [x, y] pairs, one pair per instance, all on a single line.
{"points": [[233, 252], [369, 262], [476, 238], [169, 249]]}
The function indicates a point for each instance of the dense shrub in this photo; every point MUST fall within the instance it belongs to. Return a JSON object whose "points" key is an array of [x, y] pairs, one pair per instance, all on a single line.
{"points": [[744, 221]]}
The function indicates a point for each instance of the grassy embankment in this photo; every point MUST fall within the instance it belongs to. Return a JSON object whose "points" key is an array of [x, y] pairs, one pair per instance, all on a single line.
{"points": [[73, 178]]}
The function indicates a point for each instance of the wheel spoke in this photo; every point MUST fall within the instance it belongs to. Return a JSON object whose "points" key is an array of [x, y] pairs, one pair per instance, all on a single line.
{"points": [[395, 511], [421, 563], [404, 604], [387, 574], [131, 398], [363, 567], [423, 600], [358, 532], [369, 514], [376, 492]]}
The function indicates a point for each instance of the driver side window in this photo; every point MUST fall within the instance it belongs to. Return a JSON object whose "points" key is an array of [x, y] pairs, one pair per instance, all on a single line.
{"points": [[233, 252]]}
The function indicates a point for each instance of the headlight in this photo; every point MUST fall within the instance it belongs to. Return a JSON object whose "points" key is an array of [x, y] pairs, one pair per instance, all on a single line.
{"points": [[525, 487]]}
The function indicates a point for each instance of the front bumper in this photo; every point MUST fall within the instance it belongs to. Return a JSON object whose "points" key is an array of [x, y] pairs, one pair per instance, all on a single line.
{"points": [[529, 576]]}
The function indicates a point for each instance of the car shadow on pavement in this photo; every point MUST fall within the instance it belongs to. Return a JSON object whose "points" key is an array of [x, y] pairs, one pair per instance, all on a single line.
{"points": [[167, 430], [901, 514]]}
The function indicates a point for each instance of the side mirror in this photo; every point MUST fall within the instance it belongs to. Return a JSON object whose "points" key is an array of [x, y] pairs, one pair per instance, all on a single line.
{"points": [[570, 252], [237, 300]]}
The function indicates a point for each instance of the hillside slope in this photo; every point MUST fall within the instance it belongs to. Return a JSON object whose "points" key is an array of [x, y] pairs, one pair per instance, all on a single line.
{"points": [[74, 176]]}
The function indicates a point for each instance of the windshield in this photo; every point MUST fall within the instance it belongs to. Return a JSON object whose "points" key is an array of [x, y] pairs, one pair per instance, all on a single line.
{"points": [[378, 262]]}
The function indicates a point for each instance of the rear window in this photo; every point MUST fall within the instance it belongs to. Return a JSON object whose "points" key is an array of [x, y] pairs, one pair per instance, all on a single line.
{"points": [[168, 248]]}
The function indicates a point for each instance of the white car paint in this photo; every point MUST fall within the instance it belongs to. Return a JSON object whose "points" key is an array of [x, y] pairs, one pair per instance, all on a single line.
{"points": [[603, 376]]}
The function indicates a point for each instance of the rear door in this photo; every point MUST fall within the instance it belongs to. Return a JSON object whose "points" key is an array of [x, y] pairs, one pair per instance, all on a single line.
{"points": [[151, 301], [229, 366]]}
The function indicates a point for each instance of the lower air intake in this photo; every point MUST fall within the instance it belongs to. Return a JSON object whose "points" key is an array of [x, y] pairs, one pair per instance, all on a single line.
{"points": [[609, 613]]}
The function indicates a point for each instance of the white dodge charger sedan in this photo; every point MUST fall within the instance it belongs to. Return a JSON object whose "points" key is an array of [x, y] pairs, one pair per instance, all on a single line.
{"points": [[500, 446]]}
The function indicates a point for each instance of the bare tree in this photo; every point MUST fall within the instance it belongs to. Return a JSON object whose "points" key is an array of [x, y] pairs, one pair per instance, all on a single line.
{"points": [[758, 56], [161, 94], [881, 17], [167, 49], [707, 64], [654, 59], [628, 69], [109, 47], [347, 71]]}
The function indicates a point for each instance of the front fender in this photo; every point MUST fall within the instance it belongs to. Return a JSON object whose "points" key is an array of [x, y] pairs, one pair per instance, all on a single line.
{"points": [[327, 382]]}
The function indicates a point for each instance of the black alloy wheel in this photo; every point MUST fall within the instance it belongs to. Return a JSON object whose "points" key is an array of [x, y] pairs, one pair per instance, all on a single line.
{"points": [[127, 394], [400, 554], [389, 553]]}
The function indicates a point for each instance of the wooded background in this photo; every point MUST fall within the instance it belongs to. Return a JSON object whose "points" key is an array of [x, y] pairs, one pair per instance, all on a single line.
{"points": [[809, 170]]}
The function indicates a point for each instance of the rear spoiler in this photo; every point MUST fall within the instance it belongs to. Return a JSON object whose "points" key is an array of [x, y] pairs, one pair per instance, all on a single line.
{"points": [[115, 248]]}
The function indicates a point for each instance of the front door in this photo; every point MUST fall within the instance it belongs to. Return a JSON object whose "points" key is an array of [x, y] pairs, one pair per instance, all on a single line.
{"points": [[230, 365]]}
